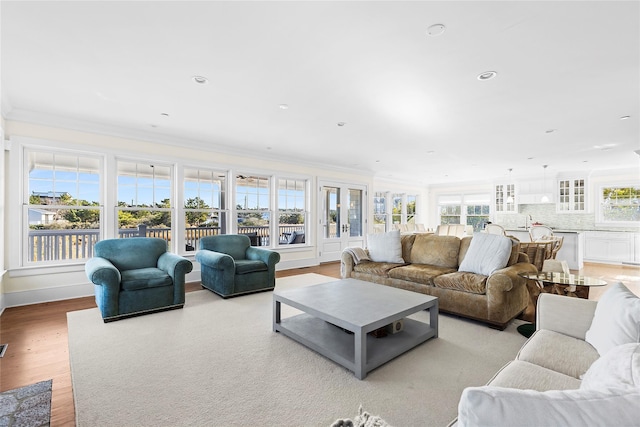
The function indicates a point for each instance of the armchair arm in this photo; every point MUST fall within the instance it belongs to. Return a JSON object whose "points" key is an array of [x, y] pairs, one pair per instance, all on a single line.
{"points": [[269, 257], [568, 316], [100, 271], [177, 267], [216, 260], [506, 278]]}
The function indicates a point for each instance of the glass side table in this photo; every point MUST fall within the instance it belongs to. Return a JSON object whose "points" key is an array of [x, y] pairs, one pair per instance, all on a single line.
{"points": [[570, 285]]}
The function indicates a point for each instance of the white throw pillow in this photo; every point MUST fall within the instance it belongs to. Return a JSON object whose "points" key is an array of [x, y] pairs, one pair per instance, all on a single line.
{"points": [[616, 320], [385, 247], [497, 406], [486, 254], [619, 368]]}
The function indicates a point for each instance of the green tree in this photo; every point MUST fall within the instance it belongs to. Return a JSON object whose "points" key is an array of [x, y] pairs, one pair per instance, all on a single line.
{"points": [[193, 218]]}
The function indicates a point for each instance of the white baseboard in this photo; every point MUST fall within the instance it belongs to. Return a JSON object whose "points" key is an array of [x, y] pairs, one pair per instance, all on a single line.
{"points": [[301, 263], [37, 296]]}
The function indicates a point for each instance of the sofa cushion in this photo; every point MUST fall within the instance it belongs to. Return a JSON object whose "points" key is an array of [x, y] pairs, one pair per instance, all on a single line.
{"points": [[616, 320], [419, 273], [375, 268], [486, 254], [619, 368], [525, 375], [439, 251], [143, 278], [406, 240], [385, 247], [550, 350], [495, 406], [462, 281]]}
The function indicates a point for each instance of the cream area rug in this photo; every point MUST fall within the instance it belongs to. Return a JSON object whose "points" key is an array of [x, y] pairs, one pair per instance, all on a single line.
{"points": [[218, 363]]}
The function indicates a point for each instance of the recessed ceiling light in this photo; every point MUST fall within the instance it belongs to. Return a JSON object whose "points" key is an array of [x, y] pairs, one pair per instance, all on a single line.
{"points": [[341, 124], [284, 106], [487, 75], [164, 114], [625, 117], [436, 30], [201, 80], [430, 152], [550, 130]]}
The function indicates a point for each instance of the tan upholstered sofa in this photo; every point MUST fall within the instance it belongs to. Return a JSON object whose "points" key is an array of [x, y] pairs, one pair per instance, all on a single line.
{"points": [[431, 267]]}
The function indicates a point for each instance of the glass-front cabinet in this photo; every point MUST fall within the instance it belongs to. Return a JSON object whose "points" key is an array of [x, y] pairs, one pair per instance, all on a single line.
{"points": [[572, 195], [505, 197]]}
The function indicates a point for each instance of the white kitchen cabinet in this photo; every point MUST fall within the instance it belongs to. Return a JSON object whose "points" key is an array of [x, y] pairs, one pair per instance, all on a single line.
{"points": [[572, 249], [610, 246]]}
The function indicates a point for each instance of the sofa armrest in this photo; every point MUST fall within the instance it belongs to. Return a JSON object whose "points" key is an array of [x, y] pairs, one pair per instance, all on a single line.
{"points": [[346, 264], [565, 315], [506, 278]]}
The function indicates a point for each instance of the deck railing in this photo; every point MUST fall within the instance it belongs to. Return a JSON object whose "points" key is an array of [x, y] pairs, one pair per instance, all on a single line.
{"points": [[68, 244]]}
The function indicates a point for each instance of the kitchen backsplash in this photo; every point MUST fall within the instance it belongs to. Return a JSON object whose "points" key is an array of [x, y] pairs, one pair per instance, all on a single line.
{"points": [[546, 214]]}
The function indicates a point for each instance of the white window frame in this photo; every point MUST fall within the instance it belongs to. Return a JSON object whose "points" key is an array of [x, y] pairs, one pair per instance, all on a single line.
{"points": [[222, 212], [172, 231], [600, 200], [24, 172], [306, 183]]}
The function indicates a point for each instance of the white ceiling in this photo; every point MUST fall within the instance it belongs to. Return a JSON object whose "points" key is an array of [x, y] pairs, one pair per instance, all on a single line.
{"points": [[412, 104]]}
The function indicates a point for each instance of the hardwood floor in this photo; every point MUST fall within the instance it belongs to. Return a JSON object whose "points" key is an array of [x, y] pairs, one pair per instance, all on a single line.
{"points": [[38, 341]]}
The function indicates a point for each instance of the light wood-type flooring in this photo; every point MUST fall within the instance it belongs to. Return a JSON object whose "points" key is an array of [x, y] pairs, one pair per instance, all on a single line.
{"points": [[38, 341]]}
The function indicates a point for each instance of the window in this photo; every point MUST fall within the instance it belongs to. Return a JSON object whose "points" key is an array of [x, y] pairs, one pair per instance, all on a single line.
{"points": [[620, 205], [450, 209], [205, 205], [396, 210], [478, 209], [62, 207], [411, 209], [292, 213], [253, 208], [472, 209], [380, 213], [571, 195], [144, 200]]}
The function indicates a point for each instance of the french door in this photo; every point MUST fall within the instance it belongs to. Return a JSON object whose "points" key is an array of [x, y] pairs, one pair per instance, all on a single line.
{"points": [[342, 218]]}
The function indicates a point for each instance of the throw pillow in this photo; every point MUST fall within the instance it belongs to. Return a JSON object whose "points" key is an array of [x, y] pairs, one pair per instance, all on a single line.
{"points": [[616, 320], [497, 406], [619, 368], [487, 253], [292, 237], [385, 247]]}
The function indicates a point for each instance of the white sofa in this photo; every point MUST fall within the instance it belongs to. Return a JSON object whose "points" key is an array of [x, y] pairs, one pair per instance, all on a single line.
{"points": [[580, 368]]}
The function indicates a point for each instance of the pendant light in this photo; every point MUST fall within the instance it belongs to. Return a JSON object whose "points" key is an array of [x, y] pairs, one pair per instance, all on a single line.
{"points": [[510, 196], [544, 198]]}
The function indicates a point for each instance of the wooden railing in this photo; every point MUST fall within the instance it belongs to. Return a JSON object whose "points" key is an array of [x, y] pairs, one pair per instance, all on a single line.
{"points": [[68, 244]]}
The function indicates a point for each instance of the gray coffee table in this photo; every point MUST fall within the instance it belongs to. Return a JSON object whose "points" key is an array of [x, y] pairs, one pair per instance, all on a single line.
{"points": [[331, 309]]}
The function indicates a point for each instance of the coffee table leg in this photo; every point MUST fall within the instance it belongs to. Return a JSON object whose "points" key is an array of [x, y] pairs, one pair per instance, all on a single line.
{"points": [[360, 343], [276, 313], [433, 318]]}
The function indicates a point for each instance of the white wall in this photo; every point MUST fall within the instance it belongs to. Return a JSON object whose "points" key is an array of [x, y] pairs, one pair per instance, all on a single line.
{"points": [[31, 285]]}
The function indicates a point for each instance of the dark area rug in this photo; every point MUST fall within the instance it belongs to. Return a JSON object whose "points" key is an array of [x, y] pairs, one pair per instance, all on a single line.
{"points": [[26, 406]]}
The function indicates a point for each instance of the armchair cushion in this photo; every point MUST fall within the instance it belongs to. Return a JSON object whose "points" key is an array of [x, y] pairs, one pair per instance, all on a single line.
{"points": [[244, 266], [142, 278]]}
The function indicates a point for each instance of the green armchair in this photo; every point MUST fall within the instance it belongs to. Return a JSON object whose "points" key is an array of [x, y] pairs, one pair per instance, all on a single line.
{"points": [[136, 276], [230, 266]]}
